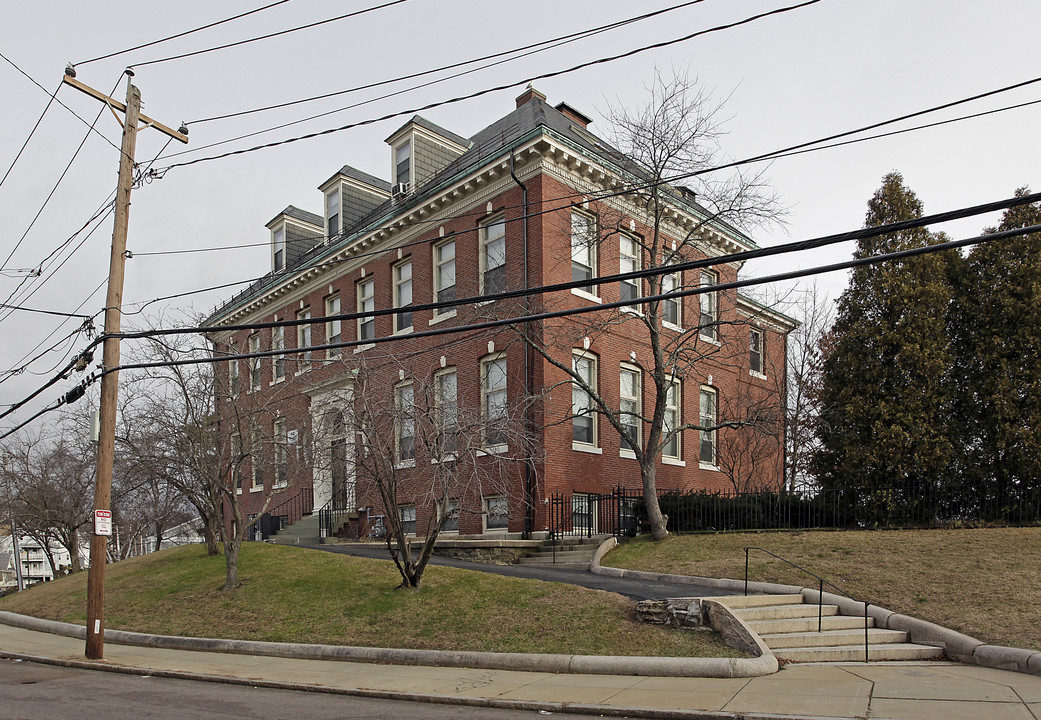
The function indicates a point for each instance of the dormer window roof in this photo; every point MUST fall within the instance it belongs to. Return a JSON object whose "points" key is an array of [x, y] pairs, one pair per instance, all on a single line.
{"points": [[293, 233]]}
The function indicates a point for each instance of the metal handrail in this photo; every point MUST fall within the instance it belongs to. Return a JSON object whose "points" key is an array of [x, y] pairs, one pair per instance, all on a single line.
{"points": [[821, 582]]}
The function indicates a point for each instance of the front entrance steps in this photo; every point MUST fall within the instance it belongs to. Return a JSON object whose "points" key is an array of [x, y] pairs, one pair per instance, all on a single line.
{"points": [[305, 531], [565, 552], [788, 626]]}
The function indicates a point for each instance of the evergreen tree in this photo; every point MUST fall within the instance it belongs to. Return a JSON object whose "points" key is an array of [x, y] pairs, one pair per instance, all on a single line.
{"points": [[885, 400], [996, 323]]}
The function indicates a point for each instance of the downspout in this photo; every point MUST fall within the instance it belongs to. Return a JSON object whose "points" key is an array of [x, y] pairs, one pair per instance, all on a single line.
{"points": [[529, 465]]}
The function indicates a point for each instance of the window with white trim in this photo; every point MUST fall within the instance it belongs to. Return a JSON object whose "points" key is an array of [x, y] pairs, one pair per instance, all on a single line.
{"points": [[446, 401], [278, 240], [256, 452], [281, 454], [444, 275], [408, 519], [303, 339], [583, 249], [493, 400], [254, 362], [451, 523], [405, 425], [671, 308], [403, 163], [583, 419], [278, 364], [493, 256], [233, 376], [366, 291], [628, 262], [707, 420], [672, 420], [755, 351], [236, 461], [333, 328], [496, 513], [403, 295], [707, 323], [332, 212], [630, 395]]}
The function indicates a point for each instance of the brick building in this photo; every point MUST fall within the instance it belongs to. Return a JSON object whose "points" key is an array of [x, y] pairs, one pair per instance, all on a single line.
{"points": [[561, 406]]}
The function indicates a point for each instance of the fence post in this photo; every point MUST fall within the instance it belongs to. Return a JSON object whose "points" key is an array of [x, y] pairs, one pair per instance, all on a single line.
{"points": [[746, 572]]}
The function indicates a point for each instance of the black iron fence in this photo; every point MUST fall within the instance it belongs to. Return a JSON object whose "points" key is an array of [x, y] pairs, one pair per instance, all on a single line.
{"points": [[622, 511], [281, 515]]}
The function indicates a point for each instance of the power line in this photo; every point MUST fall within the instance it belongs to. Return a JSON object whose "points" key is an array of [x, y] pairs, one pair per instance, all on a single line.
{"points": [[738, 257], [270, 35], [581, 310], [486, 91], [561, 40], [31, 132], [760, 158], [42, 312], [55, 188], [182, 34]]}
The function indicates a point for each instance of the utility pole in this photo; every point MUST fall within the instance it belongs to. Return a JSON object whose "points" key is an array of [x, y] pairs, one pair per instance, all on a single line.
{"points": [[95, 645]]}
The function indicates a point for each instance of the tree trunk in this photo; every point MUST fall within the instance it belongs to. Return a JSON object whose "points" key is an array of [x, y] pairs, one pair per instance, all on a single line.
{"points": [[231, 562], [209, 533], [657, 521]]}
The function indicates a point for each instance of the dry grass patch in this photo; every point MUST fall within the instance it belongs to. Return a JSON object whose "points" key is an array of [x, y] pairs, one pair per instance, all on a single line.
{"points": [[983, 582], [296, 595]]}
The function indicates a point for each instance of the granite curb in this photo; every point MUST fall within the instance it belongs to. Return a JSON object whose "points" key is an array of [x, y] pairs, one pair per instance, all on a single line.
{"points": [[541, 706], [956, 645], [577, 664]]}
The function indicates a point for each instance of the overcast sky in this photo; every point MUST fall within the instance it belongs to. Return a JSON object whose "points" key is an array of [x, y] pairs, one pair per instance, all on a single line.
{"points": [[825, 68]]}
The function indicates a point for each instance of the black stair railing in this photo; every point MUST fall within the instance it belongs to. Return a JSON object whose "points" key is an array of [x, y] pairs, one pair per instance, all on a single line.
{"points": [[821, 582]]}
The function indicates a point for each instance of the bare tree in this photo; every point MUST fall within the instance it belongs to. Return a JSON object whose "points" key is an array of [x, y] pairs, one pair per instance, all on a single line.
{"points": [[426, 452], [814, 311], [53, 479], [202, 436], [676, 132]]}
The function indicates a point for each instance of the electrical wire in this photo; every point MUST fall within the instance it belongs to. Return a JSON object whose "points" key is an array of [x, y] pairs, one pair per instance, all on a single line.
{"points": [[32, 132], [56, 184], [584, 309], [738, 257], [270, 35], [181, 34], [486, 91], [553, 42], [42, 312], [760, 158]]}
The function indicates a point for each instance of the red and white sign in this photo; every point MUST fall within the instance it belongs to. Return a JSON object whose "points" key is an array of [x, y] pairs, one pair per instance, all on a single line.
{"points": [[102, 522]]}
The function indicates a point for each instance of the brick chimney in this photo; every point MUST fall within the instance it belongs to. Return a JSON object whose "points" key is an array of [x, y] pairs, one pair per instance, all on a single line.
{"points": [[574, 115], [528, 95]]}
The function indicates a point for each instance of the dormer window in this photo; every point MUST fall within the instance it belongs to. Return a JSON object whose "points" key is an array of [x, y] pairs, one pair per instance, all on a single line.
{"points": [[332, 212], [278, 240], [403, 163]]}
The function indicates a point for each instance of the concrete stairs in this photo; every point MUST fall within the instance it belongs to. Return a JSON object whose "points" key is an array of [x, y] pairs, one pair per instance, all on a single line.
{"points": [[305, 531], [788, 626], [569, 552]]}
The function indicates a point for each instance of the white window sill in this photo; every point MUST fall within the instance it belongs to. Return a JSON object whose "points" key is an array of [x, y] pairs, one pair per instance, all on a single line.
{"points": [[586, 448], [301, 371], [441, 318], [257, 489], [708, 466], [673, 461], [277, 380], [404, 464], [450, 457], [755, 374], [627, 454], [588, 296], [404, 331], [711, 340], [631, 310], [493, 450], [363, 348], [238, 491], [671, 326]]}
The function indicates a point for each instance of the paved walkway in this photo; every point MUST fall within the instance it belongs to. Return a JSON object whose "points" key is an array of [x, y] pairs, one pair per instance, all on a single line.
{"points": [[906, 691]]}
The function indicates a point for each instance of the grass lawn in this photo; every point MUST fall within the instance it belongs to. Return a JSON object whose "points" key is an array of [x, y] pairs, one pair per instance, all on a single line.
{"points": [[985, 582], [291, 594]]}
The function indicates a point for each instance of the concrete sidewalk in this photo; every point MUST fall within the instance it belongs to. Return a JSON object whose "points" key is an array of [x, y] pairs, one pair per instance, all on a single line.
{"points": [[906, 691]]}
